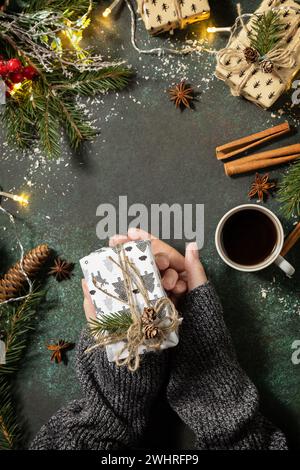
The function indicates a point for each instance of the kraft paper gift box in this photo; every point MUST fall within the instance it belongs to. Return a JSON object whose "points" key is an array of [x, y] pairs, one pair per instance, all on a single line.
{"points": [[99, 266], [250, 80], [165, 15]]}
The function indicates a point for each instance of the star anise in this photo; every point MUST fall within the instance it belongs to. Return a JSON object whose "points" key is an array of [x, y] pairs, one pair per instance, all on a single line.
{"points": [[181, 95], [59, 349], [261, 186], [61, 269]]}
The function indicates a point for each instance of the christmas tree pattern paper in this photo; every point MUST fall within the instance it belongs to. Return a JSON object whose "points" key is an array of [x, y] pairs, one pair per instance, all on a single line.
{"points": [[100, 271], [165, 15], [263, 79]]}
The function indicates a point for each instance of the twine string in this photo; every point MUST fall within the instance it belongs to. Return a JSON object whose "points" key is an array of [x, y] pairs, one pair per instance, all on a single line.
{"points": [[134, 337], [161, 50], [234, 60]]}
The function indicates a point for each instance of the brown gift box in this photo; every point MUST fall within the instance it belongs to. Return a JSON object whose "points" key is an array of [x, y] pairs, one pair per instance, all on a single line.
{"points": [[250, 80], [165, 15]]}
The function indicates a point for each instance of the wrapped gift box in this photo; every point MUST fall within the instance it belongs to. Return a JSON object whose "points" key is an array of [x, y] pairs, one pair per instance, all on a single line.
{"points": [[250, 80], [165, 15], [99, 266]]}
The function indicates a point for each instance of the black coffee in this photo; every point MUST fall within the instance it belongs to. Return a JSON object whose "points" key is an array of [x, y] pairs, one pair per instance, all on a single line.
{"points": [[249, 237]]}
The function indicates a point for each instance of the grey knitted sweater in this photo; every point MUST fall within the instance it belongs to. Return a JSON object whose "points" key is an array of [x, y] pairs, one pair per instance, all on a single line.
{"points": [[207, 388]]}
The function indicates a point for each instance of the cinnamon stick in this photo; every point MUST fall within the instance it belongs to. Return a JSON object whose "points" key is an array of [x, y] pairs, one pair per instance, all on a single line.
{"points": [[290, 241], [245, 143], [238, 167]]}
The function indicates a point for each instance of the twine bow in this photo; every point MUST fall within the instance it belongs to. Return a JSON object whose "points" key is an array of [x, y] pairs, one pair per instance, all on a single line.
{"points": [[164, 318], [234, 60]]}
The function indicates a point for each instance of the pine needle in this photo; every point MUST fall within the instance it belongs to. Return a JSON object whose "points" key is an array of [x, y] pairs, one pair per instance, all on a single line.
{"points": [[10, 430], [76, 126], [90, 83], [18, 122], [266, 31], [16, 320], [112, 323], [289, 192], [76, 8], [42, 108]]}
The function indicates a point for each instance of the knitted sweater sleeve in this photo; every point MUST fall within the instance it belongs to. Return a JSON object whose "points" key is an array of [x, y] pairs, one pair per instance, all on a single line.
{"points": [[115, 407], [208, 388]]}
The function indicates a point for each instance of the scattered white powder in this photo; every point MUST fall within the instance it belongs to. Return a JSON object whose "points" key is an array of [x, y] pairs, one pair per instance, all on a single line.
{"points": [[264, 293]]}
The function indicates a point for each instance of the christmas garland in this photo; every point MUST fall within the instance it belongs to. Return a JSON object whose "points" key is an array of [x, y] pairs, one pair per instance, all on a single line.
{"points": [[43, 69]]}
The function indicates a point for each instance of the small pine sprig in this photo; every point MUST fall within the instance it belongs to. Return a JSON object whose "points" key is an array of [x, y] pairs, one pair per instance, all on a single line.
{"points": [[266, 31], [112, 323], [289, 192], [51, 105], [10, 430], [16, 320], [75, 8], [90, 83]]}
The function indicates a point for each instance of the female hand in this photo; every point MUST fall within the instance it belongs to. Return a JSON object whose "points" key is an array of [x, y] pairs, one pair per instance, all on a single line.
{"points": [[179, 274]]}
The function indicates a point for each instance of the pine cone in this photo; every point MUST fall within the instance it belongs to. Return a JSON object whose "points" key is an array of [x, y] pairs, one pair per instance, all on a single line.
{"points": [[150, 331], [13, 282], [251, 55], [148, 315], [267, 66]]}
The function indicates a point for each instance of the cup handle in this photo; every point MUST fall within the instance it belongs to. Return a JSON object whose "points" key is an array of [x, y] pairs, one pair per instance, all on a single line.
{"points": [[285, 266]]}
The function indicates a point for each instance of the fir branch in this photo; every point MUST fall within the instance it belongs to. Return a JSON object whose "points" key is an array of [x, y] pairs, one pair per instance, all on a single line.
{"points": [[47, 124], [75, 7], [289, 192], [112, 323], [18, 122], [17, 321], [35, 114], [112, 78], [10, 429], [77, 128], [266, 31]]}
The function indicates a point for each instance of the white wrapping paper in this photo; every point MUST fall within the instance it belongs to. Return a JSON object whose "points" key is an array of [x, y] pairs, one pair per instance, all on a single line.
{"points": [[110, 277]]}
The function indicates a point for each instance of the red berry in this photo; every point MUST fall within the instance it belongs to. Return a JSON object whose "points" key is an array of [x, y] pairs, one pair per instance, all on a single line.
{"points": [[17, 77], [3, 68], [29, 72], [14, 65]]}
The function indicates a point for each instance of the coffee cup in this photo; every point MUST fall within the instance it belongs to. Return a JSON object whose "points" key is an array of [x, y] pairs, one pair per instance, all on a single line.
{"points": [[250, 238]]}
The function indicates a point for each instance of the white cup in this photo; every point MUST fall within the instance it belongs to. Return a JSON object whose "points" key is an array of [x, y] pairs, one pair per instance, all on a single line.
{"points": [[274, 256]]}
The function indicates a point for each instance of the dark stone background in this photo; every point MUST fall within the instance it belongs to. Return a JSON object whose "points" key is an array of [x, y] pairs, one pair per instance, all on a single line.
{"points": [[153, 153]]}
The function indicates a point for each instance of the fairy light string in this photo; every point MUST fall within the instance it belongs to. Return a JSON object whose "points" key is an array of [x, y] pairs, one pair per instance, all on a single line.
{"points": [[156, 50], [231, 30], [22, 199]]}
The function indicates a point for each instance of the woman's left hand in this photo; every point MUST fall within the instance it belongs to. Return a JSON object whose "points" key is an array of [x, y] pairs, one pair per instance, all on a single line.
{"points": [[179, 274]]}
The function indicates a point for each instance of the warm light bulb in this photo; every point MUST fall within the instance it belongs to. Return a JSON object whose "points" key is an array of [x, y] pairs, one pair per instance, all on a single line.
{"points": [[213, 29], [106, 12], [15, 88], [22, 199]]}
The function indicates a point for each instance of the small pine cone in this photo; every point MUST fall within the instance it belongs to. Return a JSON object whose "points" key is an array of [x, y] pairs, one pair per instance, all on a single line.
{"points": [[148, 315], [251, 55], [150, 331], [13, 282], [267, 66]]}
